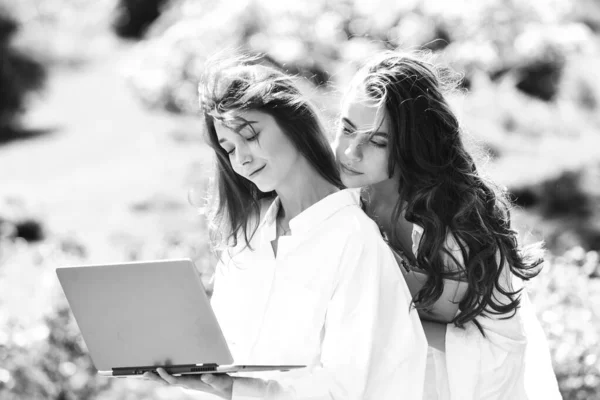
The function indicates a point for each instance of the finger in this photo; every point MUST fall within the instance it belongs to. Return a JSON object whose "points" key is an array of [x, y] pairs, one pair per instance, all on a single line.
{"points": [[217, 381], [209, 379], [153, 377], [192, 380], [170, 379], [195, 382]]}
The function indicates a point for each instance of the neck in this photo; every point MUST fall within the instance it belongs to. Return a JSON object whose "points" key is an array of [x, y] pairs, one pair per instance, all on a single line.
{"points": [[303, 189], [381, 198]]}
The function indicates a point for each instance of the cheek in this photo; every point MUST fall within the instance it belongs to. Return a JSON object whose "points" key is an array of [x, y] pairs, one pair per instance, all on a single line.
{"points": [[281, 153], [339, 145], [234, 165], [378, 164]]}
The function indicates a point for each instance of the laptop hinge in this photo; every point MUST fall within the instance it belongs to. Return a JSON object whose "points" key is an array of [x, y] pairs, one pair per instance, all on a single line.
{"points": [[140, 370]]}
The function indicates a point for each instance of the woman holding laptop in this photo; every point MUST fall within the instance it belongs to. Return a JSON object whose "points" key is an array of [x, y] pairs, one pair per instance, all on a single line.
{"points": [[304, 275], [400, 142]]}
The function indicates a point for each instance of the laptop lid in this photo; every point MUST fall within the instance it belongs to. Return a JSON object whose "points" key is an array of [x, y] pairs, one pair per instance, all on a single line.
{"points": [[144, 313]]}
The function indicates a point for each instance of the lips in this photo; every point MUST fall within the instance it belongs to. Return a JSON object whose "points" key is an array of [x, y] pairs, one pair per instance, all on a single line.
{"points": [[256, 171], [349, 171]]}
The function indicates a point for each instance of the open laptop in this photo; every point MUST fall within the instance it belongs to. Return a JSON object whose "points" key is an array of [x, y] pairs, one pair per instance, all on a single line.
{"points": [[137, 316]]}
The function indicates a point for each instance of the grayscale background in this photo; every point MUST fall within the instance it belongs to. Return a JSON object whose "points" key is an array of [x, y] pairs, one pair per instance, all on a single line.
{"points": [[102, 160]]}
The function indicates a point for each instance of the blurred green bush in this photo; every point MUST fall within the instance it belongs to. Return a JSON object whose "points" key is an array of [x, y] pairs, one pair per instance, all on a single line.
{"points": [[567, 298], [55, 368]]}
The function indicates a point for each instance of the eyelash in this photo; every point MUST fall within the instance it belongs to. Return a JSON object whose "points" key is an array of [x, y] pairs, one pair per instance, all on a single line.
{"points": [[250, 139], [347, 132]]}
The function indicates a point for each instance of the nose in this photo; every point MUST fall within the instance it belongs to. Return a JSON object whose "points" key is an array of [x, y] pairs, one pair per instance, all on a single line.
{"points": [[243, 155], [354, 151]]}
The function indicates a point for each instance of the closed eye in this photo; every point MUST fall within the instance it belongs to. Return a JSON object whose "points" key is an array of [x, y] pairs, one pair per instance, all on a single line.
{"points": [[230, 152], [377, 143], [253, 138], [347, 131]]}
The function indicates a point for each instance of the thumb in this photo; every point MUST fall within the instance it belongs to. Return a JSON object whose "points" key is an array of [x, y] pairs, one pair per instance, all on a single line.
{"points": [[216, 381]]}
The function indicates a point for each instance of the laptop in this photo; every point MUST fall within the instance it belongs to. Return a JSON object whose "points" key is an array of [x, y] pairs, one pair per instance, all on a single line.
{"points": [[137, 316]]}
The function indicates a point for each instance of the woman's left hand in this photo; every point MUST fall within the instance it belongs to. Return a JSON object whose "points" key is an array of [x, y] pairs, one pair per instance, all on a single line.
{"points": [[217, 384]]}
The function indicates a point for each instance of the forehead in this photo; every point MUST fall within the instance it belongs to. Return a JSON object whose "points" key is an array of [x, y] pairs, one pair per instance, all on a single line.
{"points": [[256, 118], [364, 112]]}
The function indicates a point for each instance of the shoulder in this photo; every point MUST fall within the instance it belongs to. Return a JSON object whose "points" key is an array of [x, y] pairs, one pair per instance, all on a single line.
{"points": [[256, 220], [357, 234], [255, 224], [352, 220]]}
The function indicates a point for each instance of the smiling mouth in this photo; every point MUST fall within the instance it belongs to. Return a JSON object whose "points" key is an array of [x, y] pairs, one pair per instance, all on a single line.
{"points": [[257, 171], [349, 170]]}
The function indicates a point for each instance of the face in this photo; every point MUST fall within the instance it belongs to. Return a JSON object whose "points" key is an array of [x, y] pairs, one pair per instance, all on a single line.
{"points": [[361, 143], [260, 151]]}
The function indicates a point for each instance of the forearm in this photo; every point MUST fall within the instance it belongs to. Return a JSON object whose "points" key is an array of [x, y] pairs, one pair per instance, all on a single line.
{"points": [[435, 333]]}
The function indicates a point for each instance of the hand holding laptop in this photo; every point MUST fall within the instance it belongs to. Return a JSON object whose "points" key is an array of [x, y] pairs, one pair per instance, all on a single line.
{"points": [[220, 385]]}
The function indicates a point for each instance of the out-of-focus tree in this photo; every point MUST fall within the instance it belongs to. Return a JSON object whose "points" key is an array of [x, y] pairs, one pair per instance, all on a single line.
{"points": [[63, 32], [134, 16], [325, 40], [20, 76]]}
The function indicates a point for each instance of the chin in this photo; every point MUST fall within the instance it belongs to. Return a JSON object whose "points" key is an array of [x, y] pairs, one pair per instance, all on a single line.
{"points": [[263, 186], [353, 181]]}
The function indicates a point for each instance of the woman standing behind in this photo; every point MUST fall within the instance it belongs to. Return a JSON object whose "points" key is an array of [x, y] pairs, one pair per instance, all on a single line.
{"points": [[402, 144], [304, 276]]}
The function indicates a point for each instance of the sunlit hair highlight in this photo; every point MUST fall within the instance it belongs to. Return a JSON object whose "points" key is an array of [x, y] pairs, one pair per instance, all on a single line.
{"points": [[441, 190]]}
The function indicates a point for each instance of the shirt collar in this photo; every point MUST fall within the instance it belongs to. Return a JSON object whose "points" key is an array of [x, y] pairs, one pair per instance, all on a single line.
{"points": [[314, 214], [271, 214]]}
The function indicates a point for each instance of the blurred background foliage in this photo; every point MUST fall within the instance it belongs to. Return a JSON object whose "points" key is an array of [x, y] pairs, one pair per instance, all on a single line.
{"points": [[114, 82]]}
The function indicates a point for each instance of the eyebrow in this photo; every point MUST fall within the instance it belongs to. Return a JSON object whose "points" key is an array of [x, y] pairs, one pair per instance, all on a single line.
{"points": [[347, 121], [378, 133]]}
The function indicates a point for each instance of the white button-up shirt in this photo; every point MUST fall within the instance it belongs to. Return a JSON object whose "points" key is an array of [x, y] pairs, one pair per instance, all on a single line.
{"points": [[511, 362], [332, 299]]}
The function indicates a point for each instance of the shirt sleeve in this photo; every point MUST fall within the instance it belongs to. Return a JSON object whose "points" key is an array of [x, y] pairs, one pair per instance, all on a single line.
{"points": [[373, 344], [501, 365]]}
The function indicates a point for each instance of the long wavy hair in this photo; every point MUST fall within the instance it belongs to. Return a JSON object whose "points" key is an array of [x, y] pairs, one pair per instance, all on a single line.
{"points": [[233, 84], [441, 190]]}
